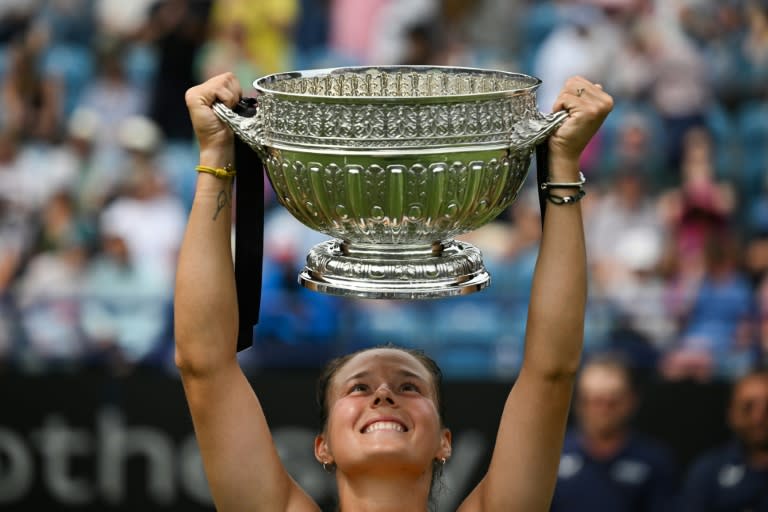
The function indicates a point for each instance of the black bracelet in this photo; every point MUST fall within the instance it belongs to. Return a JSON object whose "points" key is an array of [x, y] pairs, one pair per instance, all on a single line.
{"points": [[567, 199]]}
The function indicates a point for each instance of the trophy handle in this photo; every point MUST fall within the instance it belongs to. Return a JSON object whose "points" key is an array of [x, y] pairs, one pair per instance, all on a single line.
{"points": [[532, 132], [246, 122]]}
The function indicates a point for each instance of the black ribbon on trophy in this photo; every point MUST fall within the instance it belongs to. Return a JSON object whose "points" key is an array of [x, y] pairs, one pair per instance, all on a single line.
{"points": [[542, 175], [249, 231]]}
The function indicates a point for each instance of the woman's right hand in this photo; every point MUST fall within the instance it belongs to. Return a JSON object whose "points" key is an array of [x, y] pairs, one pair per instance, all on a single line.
{"points": [[215, 138]]}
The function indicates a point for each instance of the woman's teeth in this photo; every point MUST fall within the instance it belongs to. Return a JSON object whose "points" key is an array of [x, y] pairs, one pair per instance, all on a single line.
{"points": [[384, 425]]}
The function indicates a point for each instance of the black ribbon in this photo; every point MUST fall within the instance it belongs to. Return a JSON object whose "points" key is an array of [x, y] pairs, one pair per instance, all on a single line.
{"points": [[542, 175], [249, 231]]}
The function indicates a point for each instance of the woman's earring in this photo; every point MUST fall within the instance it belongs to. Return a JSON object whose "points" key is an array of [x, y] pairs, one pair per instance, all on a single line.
{"points": [[443, 461], [328, 467]]}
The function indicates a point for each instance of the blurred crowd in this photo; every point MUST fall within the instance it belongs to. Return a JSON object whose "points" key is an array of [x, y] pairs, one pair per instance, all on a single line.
{"points": [[97, 173]]}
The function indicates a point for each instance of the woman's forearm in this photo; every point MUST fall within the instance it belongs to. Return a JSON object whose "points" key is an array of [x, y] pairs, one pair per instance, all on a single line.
{"points": [[559, 290], [205, 303]]}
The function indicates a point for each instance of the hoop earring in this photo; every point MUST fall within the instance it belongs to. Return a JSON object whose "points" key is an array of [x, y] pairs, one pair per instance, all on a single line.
{"points": [[443, 461], [328, 467]]}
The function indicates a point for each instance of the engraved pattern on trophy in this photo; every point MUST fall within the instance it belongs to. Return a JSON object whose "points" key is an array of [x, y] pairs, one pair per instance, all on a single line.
{"points": [[393, 163], [379, 126]]}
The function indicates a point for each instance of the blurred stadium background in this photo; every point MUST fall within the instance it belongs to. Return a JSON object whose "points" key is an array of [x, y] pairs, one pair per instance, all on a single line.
{"points": [[96, 177]]}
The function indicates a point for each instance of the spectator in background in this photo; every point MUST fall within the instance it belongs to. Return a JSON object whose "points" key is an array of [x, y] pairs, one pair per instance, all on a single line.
{"points": [[394, 23], [266, 26], [62, 33], [700, 208], [121, 19], [98, 169], [762, 304], [634, 63], [734, 477], [755, 51], [14, 234], [48, 290], [352, 25], [583, 45], [31, 99], [717, 339], [177, 30], [681, 93], [126, 305], [311, 31], [110, 95], [724, 55], [15, 18], [228, 50], [644, 327], [627, 211], [605, 465], [497, 28], [30, 173], [635, 146], [146, 215]]}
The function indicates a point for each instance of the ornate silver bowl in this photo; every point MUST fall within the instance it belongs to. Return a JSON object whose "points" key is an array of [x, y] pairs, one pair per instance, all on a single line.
{"points": [[393, 163]]}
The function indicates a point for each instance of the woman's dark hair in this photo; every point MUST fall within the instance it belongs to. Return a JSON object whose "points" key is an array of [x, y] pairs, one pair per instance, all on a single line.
{"points": [[333, 366]]}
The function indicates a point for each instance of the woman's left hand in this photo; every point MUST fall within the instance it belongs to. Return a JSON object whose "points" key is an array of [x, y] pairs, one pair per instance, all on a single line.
{"points": [[587, 105]]}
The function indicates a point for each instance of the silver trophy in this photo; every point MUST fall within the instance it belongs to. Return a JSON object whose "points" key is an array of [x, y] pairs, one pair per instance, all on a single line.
{"points": [[393, 163]]}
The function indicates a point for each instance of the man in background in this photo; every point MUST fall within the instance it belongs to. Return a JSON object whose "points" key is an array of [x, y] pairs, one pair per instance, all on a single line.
{"points": [[605, 465], [734, 477]]}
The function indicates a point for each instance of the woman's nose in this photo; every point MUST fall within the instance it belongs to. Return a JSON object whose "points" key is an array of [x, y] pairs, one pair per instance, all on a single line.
{"points": [[383, 395]]}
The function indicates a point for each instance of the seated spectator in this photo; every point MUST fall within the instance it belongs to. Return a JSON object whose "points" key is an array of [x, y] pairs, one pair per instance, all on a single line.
{"points": [[146, 197], [717, 339], [735, 476], [31, 100], [48, 300], [605, 465], [635, 146], [618, 219], [125, 311], [762, 312], [110, 96], [702, 206], [637, 296]]}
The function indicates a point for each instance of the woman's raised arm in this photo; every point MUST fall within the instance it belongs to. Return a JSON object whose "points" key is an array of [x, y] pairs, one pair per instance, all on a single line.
{"points": [[242, 466], [523, 467]]}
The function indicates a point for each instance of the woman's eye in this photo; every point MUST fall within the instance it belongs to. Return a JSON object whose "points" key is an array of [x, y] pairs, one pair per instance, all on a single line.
{"points": [[409, 387], [358, 388]]}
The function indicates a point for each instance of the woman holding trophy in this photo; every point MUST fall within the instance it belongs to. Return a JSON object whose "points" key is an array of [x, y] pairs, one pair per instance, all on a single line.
{"points": [[383, 434]]}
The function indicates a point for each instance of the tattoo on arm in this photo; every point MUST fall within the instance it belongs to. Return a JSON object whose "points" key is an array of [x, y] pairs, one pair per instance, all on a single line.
{"points": [[223, 200]]}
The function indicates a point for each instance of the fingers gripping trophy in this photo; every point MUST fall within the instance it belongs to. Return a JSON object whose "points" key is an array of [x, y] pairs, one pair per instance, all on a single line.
{"points": [[393, 163]]}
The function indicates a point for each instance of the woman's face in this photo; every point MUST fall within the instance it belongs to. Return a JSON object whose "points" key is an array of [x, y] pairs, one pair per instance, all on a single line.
{"points": [[383, 414]]}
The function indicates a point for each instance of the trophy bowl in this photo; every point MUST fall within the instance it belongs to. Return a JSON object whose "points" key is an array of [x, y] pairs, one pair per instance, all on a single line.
{"points": [[393, 163]]}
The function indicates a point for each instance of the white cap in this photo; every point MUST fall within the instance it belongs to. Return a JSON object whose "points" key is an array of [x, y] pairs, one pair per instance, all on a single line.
{"points": [[139, 133]]}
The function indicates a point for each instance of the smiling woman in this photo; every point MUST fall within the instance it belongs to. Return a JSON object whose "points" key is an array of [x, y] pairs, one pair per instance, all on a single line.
{"points": [[383, 403], [382, 417]]}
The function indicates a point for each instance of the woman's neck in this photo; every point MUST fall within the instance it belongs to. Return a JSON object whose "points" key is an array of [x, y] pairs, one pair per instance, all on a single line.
{"points": [[375, 493]]}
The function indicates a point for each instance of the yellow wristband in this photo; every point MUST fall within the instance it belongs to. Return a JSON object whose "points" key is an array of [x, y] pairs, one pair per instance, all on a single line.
{"points": [[219, 172]]}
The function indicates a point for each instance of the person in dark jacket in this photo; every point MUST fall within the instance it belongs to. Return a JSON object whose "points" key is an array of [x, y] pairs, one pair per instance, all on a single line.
{"points": [[734, 477], [605, 465]]}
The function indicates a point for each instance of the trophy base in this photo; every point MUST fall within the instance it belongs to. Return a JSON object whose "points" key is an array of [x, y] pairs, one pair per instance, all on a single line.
{"points": [[382, 271]]}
